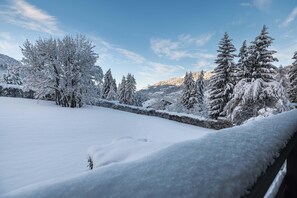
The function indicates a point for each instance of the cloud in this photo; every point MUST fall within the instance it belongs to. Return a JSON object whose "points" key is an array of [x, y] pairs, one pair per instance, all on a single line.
{"points": [[136, 58], [262, 4], [184, 47], [9, 46], [23, 14], [150, 71], [155, 71], [245, 4], [204, 65], [290, 18], [199, 40]]}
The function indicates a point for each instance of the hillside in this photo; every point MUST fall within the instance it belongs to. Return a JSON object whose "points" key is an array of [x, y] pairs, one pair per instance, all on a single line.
{"points": [[6, 61], [164, 93], [177, 81]]}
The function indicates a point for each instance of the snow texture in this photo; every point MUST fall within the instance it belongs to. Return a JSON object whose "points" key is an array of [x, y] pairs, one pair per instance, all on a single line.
{"points": [[220, 164], [122, 149], [40, 141]]}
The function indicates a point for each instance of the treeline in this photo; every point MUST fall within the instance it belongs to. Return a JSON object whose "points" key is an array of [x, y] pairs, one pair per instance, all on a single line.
{"points": [[248, 88], [64, 70]]}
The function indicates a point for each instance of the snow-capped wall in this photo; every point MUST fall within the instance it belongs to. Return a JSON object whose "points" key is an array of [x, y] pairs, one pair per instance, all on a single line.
{"points": [[221, 164], [191, 119]]}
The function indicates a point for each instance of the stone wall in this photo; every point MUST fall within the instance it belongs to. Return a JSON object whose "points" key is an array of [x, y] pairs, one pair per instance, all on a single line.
{"points": [[15, 91], [215, 124]]}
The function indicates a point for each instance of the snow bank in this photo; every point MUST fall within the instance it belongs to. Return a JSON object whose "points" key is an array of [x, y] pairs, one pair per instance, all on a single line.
{"points": [[122, 149], [222, 164]]}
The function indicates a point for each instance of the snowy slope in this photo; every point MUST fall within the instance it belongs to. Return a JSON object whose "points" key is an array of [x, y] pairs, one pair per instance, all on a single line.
{"points": [[222, 164], [41, 141], [6, 61]]}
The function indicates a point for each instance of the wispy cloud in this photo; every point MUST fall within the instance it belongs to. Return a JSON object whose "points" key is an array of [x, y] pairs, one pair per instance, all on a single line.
{"points": [[204, 65], [134, 57], [262, 4], [292, 16], [184, 47], [23, 14], [259, 4], [9, 46], [199, 40], [150, 71], [156, 71], [245, 4]]}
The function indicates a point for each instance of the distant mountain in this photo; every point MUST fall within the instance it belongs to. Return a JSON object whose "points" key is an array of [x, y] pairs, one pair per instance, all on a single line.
{"points": [[6, 61], [166, 92], [177, 81]]}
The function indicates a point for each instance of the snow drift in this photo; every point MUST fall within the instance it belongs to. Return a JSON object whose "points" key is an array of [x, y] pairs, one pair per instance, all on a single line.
{"points": [[222, 164]]}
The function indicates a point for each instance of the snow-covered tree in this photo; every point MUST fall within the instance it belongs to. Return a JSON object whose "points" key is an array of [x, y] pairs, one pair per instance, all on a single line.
{"points": [[261, 58], [243, 65], [293, 79], [122, 91], [200, 87], [223, 81], [190, 93], [130, 90], [60, 68], [256, 98], [108, 84], [13, 75], [96, 82], [259, 93], [112, 95]]}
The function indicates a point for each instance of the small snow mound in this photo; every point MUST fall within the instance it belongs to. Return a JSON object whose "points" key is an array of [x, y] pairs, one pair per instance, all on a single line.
{"points": [[122, 149]]}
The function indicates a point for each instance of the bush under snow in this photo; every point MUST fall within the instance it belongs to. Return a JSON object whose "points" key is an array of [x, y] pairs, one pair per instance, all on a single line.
{"points": [[256, 98]]}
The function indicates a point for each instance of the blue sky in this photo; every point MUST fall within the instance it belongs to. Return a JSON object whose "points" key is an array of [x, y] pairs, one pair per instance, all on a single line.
{"points": [[152, 39]]}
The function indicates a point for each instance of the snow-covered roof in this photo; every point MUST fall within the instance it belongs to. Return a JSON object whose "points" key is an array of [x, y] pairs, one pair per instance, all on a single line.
{"points": [[222, 164]]}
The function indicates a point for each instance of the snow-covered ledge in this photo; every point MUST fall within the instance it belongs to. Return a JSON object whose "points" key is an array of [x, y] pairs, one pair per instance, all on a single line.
{"points": [[222, 164]]}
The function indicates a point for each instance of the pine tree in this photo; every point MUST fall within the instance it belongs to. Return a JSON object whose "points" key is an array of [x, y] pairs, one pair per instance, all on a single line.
{"points": [[257, 93], [122, 91], [244, 68], [108, 80], [130, 90], [261, 58], [222, 82], [190, 94], [293, 79], [200, 87], [112, 92]]}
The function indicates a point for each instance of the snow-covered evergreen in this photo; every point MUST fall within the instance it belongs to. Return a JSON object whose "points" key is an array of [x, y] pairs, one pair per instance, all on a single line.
{"points": [[261, 58], [222, 82], [200, 88], [293, 79], [121, 90], [109, 86], [112, 95], [61, 68], [96, 81], [243, 65], [190, 93], [130, 90], [259, 93]]}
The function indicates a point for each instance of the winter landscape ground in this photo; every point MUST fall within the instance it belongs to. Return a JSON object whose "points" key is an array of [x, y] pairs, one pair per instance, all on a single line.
{"points": [[40, 141], [80, 84], [51, 161]]}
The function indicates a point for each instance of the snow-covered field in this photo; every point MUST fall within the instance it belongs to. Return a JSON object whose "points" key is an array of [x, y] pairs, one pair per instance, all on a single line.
{"points": [[40, 141]]}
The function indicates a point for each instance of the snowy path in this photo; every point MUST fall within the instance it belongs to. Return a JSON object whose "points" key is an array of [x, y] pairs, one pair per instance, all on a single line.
{"points": [[41, 141]]}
